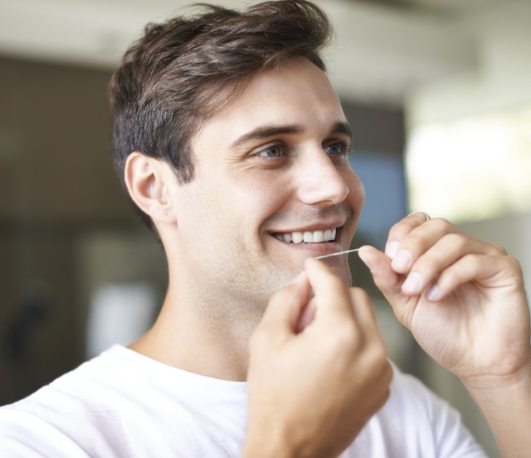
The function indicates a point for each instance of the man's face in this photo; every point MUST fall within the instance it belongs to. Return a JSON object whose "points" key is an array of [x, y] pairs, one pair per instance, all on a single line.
{"points": [[271, 169]]}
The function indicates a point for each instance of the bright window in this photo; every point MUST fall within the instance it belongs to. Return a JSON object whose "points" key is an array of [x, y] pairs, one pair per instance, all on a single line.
{"points": [[471, 168]]}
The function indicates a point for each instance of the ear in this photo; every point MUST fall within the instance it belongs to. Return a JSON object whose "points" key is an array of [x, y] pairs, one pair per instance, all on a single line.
{"points": [[148, 182]]}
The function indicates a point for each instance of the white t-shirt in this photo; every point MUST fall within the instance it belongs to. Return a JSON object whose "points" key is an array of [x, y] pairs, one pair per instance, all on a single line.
{"points": [[124, 404]]}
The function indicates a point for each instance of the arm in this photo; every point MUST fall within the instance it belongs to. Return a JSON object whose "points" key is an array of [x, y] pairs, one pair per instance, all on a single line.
{"points": [[465, 304], [506, 404], [311, 392]]}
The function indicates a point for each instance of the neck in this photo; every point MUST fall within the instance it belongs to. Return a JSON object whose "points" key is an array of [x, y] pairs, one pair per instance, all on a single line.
{"points": [[201, 337]]}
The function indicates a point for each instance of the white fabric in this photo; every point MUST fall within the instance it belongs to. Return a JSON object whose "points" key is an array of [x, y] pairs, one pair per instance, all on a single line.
{"points": [[123, 404]]}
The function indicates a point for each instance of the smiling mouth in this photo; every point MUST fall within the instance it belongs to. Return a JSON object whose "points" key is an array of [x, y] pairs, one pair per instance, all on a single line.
{"points": [[296, 237]]}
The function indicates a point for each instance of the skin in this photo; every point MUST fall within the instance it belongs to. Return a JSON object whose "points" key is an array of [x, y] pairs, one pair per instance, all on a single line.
{"points": [[462, 299], [467, 307], [218, 230], [327, 398]]}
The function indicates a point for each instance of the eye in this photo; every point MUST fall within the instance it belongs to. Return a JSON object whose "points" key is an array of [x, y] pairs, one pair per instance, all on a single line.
{"points": [[272, 152], [338, 148]]}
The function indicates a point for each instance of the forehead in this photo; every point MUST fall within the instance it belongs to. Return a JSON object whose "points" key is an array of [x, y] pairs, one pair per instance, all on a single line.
{"points": [[294, 93]]}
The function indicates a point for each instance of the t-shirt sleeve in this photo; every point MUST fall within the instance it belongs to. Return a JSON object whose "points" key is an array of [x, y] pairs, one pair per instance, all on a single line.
{"points": [[450, 437], [25, 435]]}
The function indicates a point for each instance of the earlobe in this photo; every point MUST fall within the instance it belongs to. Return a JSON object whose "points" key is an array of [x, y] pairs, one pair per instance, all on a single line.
{"points": [[146, 179]]}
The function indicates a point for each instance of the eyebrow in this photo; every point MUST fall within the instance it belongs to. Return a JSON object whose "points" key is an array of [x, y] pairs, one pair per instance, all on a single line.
{"points": [[262, 132], [265, 132], [342, 127]]}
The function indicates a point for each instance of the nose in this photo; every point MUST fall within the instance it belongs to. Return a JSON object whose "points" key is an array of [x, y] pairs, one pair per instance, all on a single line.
{"points": [[321, 180]]}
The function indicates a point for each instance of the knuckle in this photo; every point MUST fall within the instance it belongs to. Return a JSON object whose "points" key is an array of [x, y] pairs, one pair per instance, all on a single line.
{"points": [[347, 340], [469, 261], [374, 358], [379, 357], [473, 261], [497, 249], [427, 265], [459, 241], [449, 277], [441, 224], [514, 265], [401, 228], [395, 229], [419, 216]]}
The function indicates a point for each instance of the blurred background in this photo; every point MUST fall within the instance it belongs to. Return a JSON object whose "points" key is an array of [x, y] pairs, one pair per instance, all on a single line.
{"points": [[439, 96]]}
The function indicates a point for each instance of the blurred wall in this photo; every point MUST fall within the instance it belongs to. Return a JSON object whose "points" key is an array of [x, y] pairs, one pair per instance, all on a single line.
{"points": [[56, 184]]}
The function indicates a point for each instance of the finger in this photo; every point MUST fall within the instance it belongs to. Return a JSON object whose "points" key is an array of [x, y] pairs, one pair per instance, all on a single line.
{"points": [[425, 236], [403, 227], [285, 307], [388, 282], [385, 377], [385, 278], [331, 294], [427, 266], [368, 324], [363, 310], [486, 271], [418, 240], [306, 317]]}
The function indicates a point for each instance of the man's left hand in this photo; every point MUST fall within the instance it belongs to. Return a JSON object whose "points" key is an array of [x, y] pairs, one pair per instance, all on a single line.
{"points": [[462, 299]]}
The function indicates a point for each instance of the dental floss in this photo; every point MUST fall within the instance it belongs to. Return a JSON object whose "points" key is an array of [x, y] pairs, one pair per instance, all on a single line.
{"points": [[337, 254]]}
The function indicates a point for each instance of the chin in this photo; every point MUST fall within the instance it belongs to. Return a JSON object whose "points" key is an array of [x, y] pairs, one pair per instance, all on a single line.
{"points": [[342, 271], [346, 277]]}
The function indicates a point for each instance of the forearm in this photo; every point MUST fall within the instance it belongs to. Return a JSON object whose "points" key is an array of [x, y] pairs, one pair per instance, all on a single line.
{"points": [[265, 445], [506, 406]]}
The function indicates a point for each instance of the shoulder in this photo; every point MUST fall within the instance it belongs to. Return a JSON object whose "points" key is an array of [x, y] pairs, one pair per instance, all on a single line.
{"points": [[416, 422], [123, 403], [75, 404]]}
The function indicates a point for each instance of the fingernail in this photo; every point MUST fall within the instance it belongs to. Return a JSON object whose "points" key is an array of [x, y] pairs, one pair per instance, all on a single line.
{"points": [[402, 260], [413, 283], [434, 293], [391, 248]]}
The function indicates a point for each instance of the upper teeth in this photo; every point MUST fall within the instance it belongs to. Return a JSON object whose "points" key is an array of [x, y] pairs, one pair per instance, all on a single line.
{"points": [[308, 237]]}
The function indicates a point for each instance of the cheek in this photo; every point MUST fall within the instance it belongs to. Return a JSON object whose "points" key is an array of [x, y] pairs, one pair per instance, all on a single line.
{"points": [[356, 196], [259, 197]]}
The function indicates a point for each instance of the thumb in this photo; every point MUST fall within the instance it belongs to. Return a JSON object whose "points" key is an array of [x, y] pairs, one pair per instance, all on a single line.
{"points": [[385, 278], [284, 309], [389, 283]]}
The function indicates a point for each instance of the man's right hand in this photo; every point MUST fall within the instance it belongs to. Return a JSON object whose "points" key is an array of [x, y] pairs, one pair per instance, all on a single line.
{"points": [[311, 392]]}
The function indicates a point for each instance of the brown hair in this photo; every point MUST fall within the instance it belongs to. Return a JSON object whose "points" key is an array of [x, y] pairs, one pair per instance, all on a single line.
{"points": [[171, 79]]}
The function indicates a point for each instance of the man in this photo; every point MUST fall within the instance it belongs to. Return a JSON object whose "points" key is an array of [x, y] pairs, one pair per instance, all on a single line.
{"points": [[233, 146]]}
